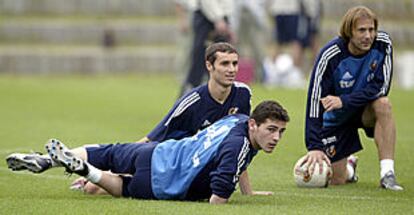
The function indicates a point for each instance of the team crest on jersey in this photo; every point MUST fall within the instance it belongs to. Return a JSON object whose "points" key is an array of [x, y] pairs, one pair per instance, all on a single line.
{"points": [[373, 65], [233, 110], [331, 151]]}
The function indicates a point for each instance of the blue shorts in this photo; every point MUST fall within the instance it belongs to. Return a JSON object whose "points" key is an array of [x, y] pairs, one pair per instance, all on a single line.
{"points": [[289, 28], [130, 158], [286, 28], [342, 141]]}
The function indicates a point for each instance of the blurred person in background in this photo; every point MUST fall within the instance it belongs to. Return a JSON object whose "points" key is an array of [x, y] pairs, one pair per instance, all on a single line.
{"points": [[210, 24], [184, 10], [250, 24], [296, 28]]}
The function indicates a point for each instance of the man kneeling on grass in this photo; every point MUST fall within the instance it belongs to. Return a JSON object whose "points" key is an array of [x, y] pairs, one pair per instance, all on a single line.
{"points": [[204, 166]]}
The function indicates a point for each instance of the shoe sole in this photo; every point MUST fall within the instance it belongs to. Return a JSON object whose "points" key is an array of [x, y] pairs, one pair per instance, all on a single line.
{"points": [[393, 188], [15, 163], [61, 154]]}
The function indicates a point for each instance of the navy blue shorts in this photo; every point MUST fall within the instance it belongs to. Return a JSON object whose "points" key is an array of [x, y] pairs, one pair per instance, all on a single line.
{"points": [[286, 28], [342, 141], [130, 158], [289, 28]]}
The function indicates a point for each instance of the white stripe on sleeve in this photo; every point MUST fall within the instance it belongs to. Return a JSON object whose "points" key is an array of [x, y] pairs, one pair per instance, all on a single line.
{"points": [[241, 158], [320, 69], [184, 104]]}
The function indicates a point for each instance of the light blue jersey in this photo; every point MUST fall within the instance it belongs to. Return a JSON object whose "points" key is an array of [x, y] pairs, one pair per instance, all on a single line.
{"points": [[171, 178]]}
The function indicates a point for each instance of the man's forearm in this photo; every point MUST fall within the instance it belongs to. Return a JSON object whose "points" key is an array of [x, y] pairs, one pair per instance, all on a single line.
{"points": [[244, 184]]}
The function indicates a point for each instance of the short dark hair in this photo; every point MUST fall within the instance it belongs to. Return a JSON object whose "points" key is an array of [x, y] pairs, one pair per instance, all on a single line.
{"points": [[351, 17], [211, 51], [269, 110]]}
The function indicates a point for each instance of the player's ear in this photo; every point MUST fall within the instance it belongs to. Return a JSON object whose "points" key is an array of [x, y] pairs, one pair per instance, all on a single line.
{"points": [[252, 124], [209, 66]]}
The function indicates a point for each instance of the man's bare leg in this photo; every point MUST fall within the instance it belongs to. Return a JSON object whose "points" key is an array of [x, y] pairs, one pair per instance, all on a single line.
{"points": [[89, 188], [379, 115], [75, 161], [340, 173], [111, 183]]}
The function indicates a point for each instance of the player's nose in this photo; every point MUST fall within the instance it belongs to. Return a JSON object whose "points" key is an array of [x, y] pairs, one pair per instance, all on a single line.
{"points": [[232, 68], [276, 137]]}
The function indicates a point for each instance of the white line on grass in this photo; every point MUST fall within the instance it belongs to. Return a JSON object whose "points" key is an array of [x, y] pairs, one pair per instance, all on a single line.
{"points": [[20, 149], [283, 193], [5, 152], [343, 197], [57, 177], [276, 193]]}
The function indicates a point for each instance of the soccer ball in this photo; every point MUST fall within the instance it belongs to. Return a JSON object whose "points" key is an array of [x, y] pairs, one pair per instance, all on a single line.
{"points": [[304, 179]]}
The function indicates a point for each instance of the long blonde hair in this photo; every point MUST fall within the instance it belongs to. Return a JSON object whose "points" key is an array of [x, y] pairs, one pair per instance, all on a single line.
{"points": [[350, 18]]}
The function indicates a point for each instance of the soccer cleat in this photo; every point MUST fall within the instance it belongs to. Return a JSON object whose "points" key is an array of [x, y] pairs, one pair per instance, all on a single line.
{"points": [[352, 160], [34, 162], [61, 154], [389, 182]]}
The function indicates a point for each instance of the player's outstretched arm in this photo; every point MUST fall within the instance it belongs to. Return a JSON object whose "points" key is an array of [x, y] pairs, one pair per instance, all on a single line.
{"points": [[246, 188], [214, 199]]}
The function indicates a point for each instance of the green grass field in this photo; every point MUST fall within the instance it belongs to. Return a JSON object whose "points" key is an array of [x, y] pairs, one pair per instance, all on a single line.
{"points": [[82, 110]]}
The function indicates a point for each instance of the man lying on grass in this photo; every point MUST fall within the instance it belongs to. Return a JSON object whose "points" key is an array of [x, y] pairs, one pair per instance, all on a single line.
{"points": [[204, 166]]}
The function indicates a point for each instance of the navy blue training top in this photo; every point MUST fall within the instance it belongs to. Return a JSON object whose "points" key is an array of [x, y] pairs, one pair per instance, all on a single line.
{"points": [[197, 110], [357, 80]]}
